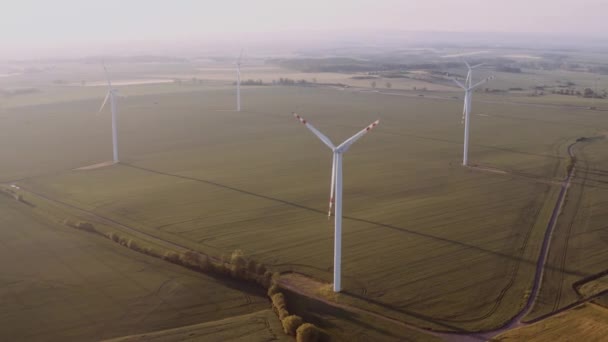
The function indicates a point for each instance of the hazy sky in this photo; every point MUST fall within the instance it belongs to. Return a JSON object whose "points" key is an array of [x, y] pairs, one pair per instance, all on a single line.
{"points": [[30, 27]]}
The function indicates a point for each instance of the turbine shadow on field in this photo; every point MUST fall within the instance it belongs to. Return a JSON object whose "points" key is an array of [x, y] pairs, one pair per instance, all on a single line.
{"points": [[378, 224], [421, 317], [315, 311]]}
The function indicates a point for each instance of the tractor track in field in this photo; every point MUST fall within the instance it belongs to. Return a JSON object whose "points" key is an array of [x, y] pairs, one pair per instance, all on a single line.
{"points": [[516, 321], [568, 233], [449, 336], [524, 244]]}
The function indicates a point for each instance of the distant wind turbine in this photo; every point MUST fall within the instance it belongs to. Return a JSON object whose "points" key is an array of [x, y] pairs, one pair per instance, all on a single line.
{"points": [[336, 187], [466, 112], [238, 82], [112, 94]]}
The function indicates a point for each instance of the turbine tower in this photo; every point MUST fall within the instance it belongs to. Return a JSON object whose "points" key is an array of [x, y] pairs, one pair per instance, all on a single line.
{"points": [[113, 96], [238, 82], [466, 112], [336, 187]]}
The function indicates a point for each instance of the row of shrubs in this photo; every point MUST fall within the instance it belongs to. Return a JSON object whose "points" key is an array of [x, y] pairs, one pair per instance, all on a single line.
{"points": [[236, 266], [14, 194]]}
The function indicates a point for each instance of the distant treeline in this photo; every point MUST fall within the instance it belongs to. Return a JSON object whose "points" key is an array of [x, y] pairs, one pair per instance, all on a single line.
{"points": [[18, 91], [351, 65], [132, 59]]}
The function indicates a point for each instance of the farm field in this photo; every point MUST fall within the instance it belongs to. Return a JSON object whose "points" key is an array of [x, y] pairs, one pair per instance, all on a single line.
{"points": [[77, 286], [583, 323], [172, 171], [259, 326], [603, 301], [425, 240], [580, 237]]}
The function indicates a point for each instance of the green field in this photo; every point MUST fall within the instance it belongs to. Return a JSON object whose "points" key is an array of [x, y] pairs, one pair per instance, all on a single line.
{"points": [[425, 241], [259, 326], [580, 237], [79, 287]]}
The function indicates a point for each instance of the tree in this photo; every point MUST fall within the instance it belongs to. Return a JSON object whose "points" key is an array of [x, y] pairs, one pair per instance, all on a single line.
{"points": [[314, 80], [389, 85], [374, 84]]}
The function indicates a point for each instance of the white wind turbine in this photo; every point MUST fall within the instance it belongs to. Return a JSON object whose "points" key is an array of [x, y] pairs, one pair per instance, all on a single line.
{"points": [[466, 112], [113, 96], [336, 187], [238, 82]]}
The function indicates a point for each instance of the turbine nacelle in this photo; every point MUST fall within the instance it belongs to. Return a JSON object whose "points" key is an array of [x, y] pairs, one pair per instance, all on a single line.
{"points": [[337, 150], [473, 87]]}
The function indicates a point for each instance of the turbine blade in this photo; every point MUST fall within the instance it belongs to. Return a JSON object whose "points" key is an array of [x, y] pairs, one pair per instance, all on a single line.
{"points": [[481, 82], [458, 83], [476, 66], [346, 144], [333, 185], [320, 135], [464, 111], [468, 66], [104, 101]]}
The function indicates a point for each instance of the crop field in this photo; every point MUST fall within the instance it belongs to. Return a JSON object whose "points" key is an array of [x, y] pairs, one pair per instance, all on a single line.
{"points": [[603, 301], [79, 287], [581, 236], [260, 326], [583, 323], [425, 241]]}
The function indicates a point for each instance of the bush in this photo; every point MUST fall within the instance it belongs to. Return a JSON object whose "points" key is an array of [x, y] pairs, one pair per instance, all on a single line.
{"points": [[151, 251], [252, 266], [272, 290], [237, 258], [86, 226], [238, 272], [132, 244], [279, 306], [307, 333], [266, 279], [193, 259], [238, 264], [291, 324], [220, 267], [260, 269], [171, 257], [114, 237]]}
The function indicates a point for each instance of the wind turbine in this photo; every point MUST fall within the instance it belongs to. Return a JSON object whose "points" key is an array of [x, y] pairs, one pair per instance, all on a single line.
{"points": [[112, 94], [467, 83], [336, 187], [469, 88], [238, 82]]}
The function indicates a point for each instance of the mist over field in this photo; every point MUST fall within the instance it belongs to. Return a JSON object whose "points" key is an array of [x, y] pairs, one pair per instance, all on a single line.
{"points": [[310, 171]]}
